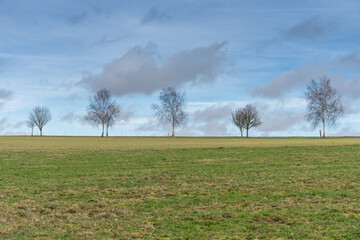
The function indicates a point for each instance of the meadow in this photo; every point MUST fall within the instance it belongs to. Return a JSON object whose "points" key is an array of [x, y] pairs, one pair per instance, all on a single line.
{"points": [[179, 188]]}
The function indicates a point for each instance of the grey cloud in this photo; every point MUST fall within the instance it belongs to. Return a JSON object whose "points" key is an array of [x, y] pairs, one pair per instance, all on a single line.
{"points": [[105, 40], [155, 128], [338, 70], [6, 126], [214, 112], [4, 123], [308, 29], [71, 117], [280, 120], [154, 14], [349, 61], [186, 131], [19, 124], [311, 28], [212, 120], [347, 87], [150, 126], [214, 128], [76, 19], [5, 94], [289, 80], [80, 17], [126, 113], [347, 130], [139, 71], [349, 106]]}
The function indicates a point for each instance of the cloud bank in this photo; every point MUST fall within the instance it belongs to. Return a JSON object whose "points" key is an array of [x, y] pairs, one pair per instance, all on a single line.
{"points": [[139, 71], [309, 29], [212, 120], [5, 95], [287, 81], [342, 70]]}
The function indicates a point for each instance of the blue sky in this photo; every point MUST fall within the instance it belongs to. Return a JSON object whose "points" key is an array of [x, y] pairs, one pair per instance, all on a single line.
{"points": [[224, 54]]}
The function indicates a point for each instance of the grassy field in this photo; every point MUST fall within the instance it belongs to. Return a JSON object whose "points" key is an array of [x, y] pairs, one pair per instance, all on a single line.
{"points": [[182, 188]]}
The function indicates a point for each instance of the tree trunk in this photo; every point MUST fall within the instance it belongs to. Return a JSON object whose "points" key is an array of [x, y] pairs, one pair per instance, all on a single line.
{"points": [[107, 131], [241, 132], [173, 130], [40, 132], [247, 132], [32, 132], [102, 131], [323, 121]]}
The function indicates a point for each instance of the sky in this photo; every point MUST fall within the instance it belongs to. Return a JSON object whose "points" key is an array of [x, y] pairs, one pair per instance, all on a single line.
{"points": [[223, 53]]}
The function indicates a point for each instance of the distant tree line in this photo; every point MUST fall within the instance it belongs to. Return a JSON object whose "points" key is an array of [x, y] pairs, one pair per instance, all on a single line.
{"points": [[323, 107]]}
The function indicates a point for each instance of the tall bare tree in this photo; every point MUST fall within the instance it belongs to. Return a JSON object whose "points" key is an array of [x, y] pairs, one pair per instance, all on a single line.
{"points": [[324, 104], [112, 116], [39, 116], [103, 110], [30, 124], [238, 119], [250, 117], [171, 109]]}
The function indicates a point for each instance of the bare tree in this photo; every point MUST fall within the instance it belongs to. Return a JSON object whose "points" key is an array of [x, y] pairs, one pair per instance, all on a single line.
{"points": [[112, 116], [324, 104], [30, 124], [250, 117], [172, 108], [238, 119], [39, 116], [103, 110]]}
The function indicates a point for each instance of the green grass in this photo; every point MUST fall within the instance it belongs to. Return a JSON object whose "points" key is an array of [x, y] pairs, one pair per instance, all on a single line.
{"points": [[182, 188]]}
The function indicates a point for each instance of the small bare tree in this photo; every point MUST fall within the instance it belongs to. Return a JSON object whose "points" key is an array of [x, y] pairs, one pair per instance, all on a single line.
{"points": [[172, 108], [39, 116], [251, 117], [324, 104], [103, 110], [30, 124], [238, 119]]}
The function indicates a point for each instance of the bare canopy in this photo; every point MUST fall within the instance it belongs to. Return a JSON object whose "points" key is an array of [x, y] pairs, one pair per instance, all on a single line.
{"points": [[103, 110], [112, 116], [30, 124], [39, 116], [172, 108], [324, 104], [246, 118], [238, 120]]}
